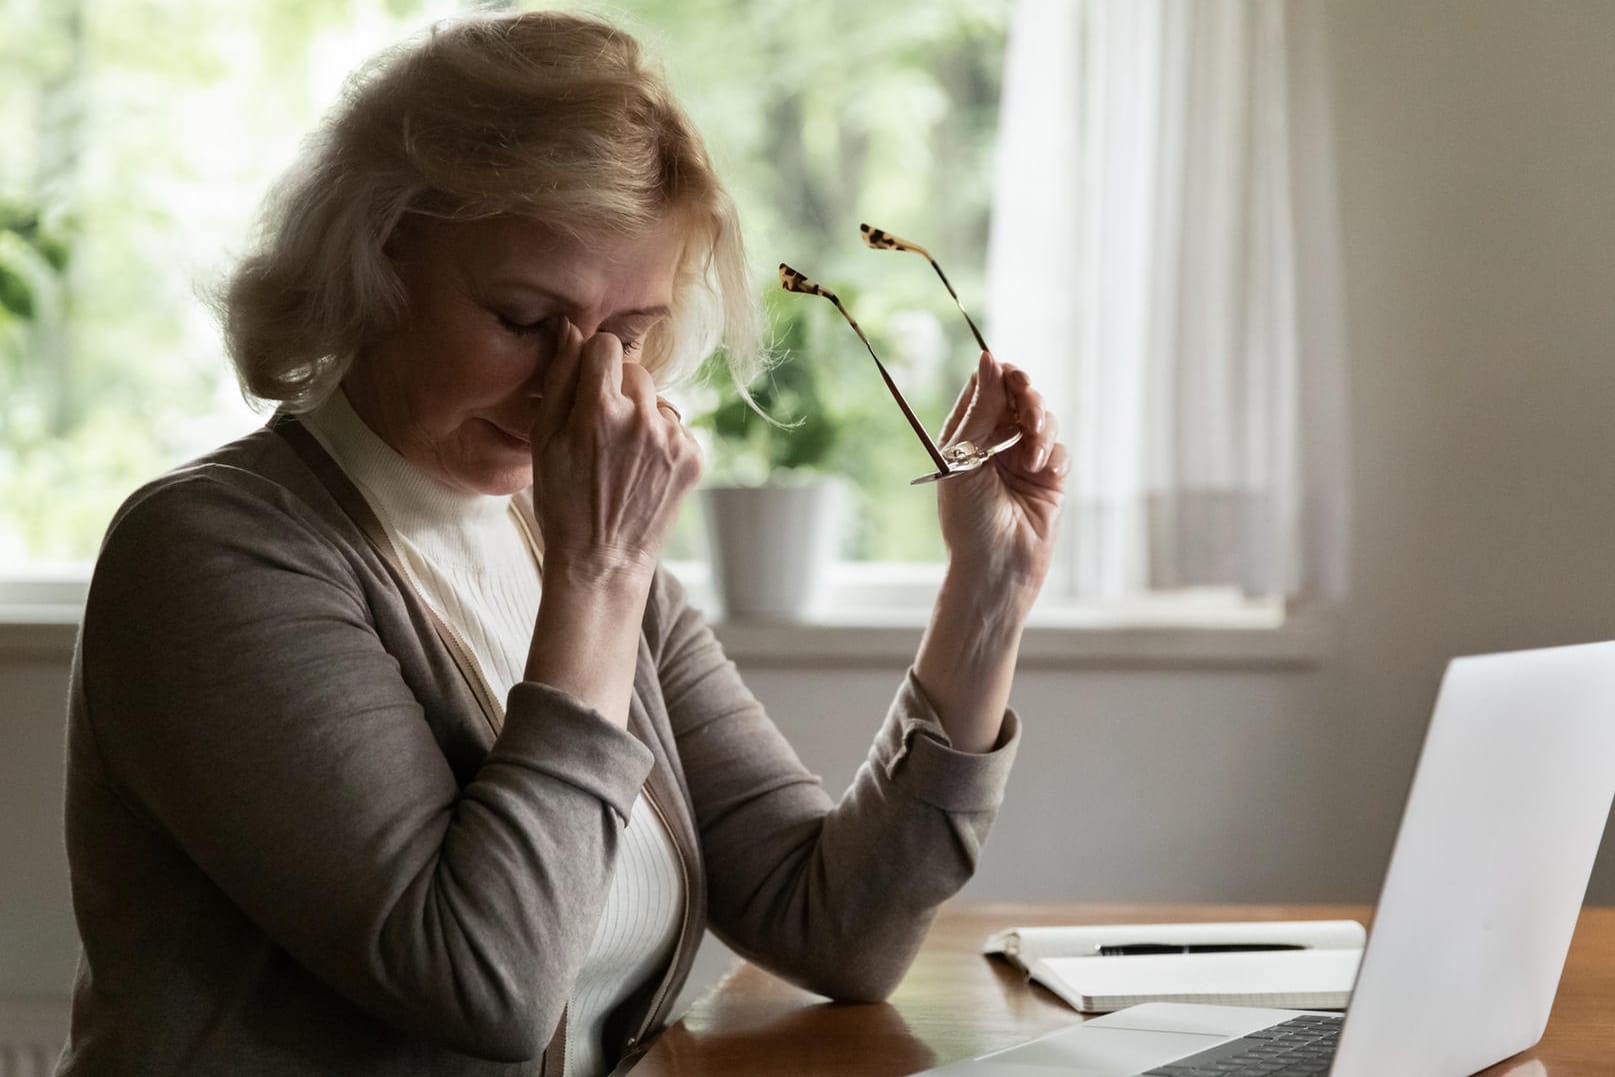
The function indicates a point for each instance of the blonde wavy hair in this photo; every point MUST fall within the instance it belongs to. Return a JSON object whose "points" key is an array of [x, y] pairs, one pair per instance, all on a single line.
{"points": [[550, 116]]}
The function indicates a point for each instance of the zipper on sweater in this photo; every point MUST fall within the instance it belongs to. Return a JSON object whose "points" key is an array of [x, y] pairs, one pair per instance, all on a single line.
{"points": [[464, 657], [492, 709], [684, 925]]}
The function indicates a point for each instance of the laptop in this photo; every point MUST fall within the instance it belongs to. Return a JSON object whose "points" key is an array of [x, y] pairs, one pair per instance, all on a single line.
{"points": [[1474, 920]]}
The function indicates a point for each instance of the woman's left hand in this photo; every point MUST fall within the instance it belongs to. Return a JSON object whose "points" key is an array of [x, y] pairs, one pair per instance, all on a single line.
{"points": [[998, 521]]}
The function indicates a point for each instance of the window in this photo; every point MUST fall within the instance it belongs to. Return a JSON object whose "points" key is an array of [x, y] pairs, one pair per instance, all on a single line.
{"points": [[141, 138], [144, 136], [1166, 217]]}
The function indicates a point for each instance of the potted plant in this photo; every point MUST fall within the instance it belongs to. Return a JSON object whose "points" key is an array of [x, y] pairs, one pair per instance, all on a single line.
{"points": [[773, 513]]}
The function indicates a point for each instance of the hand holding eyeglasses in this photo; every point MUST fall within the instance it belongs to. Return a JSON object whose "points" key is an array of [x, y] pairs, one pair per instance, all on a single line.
{"points": [[997, 521]]}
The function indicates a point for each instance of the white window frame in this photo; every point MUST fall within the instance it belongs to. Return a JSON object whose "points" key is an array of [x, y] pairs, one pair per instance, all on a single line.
{"points": [[872, 609], [875, 616]]}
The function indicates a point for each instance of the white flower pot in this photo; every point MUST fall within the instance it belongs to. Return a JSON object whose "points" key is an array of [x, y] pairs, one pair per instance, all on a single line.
{"points": [[770, 546]]}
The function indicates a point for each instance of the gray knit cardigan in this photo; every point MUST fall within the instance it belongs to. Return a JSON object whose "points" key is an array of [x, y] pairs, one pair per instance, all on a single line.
{"points": [[300, 844]]}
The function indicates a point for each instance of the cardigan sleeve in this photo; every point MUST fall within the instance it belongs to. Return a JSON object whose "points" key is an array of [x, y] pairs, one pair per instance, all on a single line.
{"points": [[244, 706], [834, 896]]}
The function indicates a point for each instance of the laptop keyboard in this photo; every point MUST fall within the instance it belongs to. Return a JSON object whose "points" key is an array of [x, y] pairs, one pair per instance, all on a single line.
{"points": [[1300, 1047]]}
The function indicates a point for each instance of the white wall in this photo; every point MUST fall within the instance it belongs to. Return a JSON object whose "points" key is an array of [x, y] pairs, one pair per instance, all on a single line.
{"points": [[1131, 785], [38, 943], [1478, 181]]}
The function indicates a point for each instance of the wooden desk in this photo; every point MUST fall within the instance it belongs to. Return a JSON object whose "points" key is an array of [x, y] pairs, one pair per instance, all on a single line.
{"points": [[955, 1004]]}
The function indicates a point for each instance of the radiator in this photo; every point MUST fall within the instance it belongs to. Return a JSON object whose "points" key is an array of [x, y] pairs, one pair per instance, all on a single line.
{"points": [[32, 1032]]}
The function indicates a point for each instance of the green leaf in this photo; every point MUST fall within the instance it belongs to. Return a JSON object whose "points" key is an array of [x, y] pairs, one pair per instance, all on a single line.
{"points": [[54, 250], [732, 420], [16, 295], [808, 446], [15, 218]]}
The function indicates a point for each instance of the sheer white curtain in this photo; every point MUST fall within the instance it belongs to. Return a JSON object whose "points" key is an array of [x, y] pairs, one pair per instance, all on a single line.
{"points": [[1164, 258]]}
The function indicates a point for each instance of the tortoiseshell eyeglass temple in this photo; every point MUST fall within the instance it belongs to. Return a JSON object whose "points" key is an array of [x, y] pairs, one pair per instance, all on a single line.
{"points": [[885, 241], [957, 458], [793, 281]]}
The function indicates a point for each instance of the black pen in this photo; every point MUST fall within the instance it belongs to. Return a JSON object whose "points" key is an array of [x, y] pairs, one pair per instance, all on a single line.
{"points": [[1135, 949]]}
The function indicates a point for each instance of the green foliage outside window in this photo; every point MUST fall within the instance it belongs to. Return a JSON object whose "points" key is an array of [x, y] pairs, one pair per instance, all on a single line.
{"points": [[805, 430], [156, 128]]}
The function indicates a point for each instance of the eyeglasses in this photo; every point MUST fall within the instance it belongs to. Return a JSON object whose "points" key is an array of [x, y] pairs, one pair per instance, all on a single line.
{"points": [[959, 457]]}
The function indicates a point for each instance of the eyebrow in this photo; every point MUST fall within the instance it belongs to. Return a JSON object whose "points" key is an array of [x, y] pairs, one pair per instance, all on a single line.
{"points": [[567, 301], [645, 312]]}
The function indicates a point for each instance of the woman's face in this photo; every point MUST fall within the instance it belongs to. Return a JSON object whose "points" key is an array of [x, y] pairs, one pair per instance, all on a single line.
{"points": [[453, 388]]}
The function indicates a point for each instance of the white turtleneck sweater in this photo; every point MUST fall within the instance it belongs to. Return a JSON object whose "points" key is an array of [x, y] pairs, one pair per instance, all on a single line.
{"points": [[470, 560]]}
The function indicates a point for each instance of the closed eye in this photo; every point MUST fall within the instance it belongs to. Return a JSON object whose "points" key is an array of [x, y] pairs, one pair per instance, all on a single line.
{"points": [[522, 329], [635, 331], [527, 329]]}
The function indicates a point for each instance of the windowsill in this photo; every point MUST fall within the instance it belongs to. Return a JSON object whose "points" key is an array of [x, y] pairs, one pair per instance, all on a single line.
{"points": [[1055, 639], [874, 616], [38, 631]]}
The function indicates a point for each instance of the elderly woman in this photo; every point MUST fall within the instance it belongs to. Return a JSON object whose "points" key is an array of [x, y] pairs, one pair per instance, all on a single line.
{"points": [[392, 751]]}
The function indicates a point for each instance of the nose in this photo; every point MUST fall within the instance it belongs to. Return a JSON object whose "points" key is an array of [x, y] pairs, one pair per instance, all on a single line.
{"points": [[587, 323], [587, 326]]}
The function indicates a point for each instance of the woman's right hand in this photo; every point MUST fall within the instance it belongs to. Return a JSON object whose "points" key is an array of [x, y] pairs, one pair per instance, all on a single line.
{"points": [[611, 464]]}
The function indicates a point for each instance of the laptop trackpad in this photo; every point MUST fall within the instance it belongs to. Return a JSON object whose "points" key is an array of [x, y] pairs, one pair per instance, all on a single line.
{"points": [[1106, 1050]]}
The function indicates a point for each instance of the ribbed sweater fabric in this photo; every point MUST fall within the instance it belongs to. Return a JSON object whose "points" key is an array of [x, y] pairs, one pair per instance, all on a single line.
{"points": [[470, 560]]}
